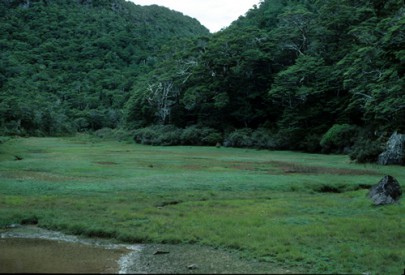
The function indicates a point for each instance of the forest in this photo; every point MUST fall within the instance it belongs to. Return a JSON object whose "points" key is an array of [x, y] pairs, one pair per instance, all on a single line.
{"points": [[308, 75]]}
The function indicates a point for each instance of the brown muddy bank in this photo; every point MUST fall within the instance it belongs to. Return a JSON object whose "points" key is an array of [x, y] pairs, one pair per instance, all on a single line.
{"points": [[30, 249]]}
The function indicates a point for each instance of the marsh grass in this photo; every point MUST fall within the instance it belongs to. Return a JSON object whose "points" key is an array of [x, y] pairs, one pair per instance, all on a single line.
{"points": [[307, 212]]}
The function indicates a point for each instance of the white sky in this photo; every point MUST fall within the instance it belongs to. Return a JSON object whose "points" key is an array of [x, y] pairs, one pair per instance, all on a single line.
{"points": [[213, 14]]}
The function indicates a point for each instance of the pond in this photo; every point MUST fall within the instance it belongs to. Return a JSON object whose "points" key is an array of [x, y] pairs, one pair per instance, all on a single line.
{"points": [[30, 249], [45, 256]]}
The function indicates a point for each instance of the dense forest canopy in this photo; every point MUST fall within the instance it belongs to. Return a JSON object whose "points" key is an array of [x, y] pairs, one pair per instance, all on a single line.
{"points": [[70, 65], [299, 74]]}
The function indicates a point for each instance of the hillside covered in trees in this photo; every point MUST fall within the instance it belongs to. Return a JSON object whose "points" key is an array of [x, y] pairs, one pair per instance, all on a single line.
{"points": [[318, 76], [68, 66]]}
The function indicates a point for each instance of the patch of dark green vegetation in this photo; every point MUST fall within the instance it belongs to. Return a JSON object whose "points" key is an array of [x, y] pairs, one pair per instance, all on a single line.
{"points": [[364, 186], [340, 188], [331, 189], [32, 220], [167, 203]]}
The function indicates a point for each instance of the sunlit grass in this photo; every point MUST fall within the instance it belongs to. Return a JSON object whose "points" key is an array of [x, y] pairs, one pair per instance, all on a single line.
{"points": [[303, 211]]}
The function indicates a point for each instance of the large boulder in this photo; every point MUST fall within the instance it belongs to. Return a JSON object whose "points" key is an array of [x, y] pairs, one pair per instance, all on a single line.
{"points": [[386, 191], [394, 152]]}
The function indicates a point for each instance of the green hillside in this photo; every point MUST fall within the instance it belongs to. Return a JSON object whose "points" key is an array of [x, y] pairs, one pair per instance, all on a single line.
{"points": [[318, 76], [68, 66], [304, 75]]}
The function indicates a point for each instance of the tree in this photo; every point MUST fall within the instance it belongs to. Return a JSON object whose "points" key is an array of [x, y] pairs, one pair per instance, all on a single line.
{"points": [[88, 61], [294, 27], [162, 96], [373, 72]]}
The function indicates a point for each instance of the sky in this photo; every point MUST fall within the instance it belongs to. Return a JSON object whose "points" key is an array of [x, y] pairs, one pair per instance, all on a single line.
{"points": [[213, 14]]}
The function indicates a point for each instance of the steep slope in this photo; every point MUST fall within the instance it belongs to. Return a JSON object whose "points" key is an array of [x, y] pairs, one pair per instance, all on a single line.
{"points": [[67, 66]]}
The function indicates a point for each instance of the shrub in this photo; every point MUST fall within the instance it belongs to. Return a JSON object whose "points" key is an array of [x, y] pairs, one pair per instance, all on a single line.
{"points": [[338, 138], [114, 134], [289, 138], [212, 138], [263, 138], [158, 135], [311, 143], [104, 133], [365, 150], [169, 136], [200, 136], [191, 136], [122, 135], [145, 135], [4, 139], [239, 138]]}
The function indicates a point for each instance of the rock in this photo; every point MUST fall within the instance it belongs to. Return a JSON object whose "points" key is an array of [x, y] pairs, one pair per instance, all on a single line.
{"points": [[387, 191], [394, 152], [192, 267], [159, 252], [13, 225]]}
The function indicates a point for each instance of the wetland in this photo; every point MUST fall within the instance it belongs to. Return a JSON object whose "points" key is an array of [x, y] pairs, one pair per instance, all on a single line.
{"points": [[215, 210]]}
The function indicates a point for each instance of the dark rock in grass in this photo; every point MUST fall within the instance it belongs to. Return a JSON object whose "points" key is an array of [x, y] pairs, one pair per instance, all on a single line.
{"points": [[160, 252], [394, 152], [387, 191]]}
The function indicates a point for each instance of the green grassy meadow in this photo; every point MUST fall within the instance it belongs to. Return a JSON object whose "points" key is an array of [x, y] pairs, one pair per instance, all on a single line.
{"points": [[307, 212]]}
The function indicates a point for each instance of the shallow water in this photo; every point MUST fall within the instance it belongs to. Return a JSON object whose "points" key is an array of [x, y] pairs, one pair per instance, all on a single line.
{"points": [[29, 249], [22, 255]]}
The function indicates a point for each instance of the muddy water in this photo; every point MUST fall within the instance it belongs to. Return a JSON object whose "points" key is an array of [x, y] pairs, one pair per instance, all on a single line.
{"points": [[30, 249], [47, 256]]}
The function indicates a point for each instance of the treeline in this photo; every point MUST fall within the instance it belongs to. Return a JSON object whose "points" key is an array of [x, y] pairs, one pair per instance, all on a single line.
{"points": [[304, 75], [317, 76]]}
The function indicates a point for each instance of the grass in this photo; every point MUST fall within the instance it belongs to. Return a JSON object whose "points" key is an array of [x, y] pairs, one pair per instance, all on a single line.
{"points": [[305, 212]]}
